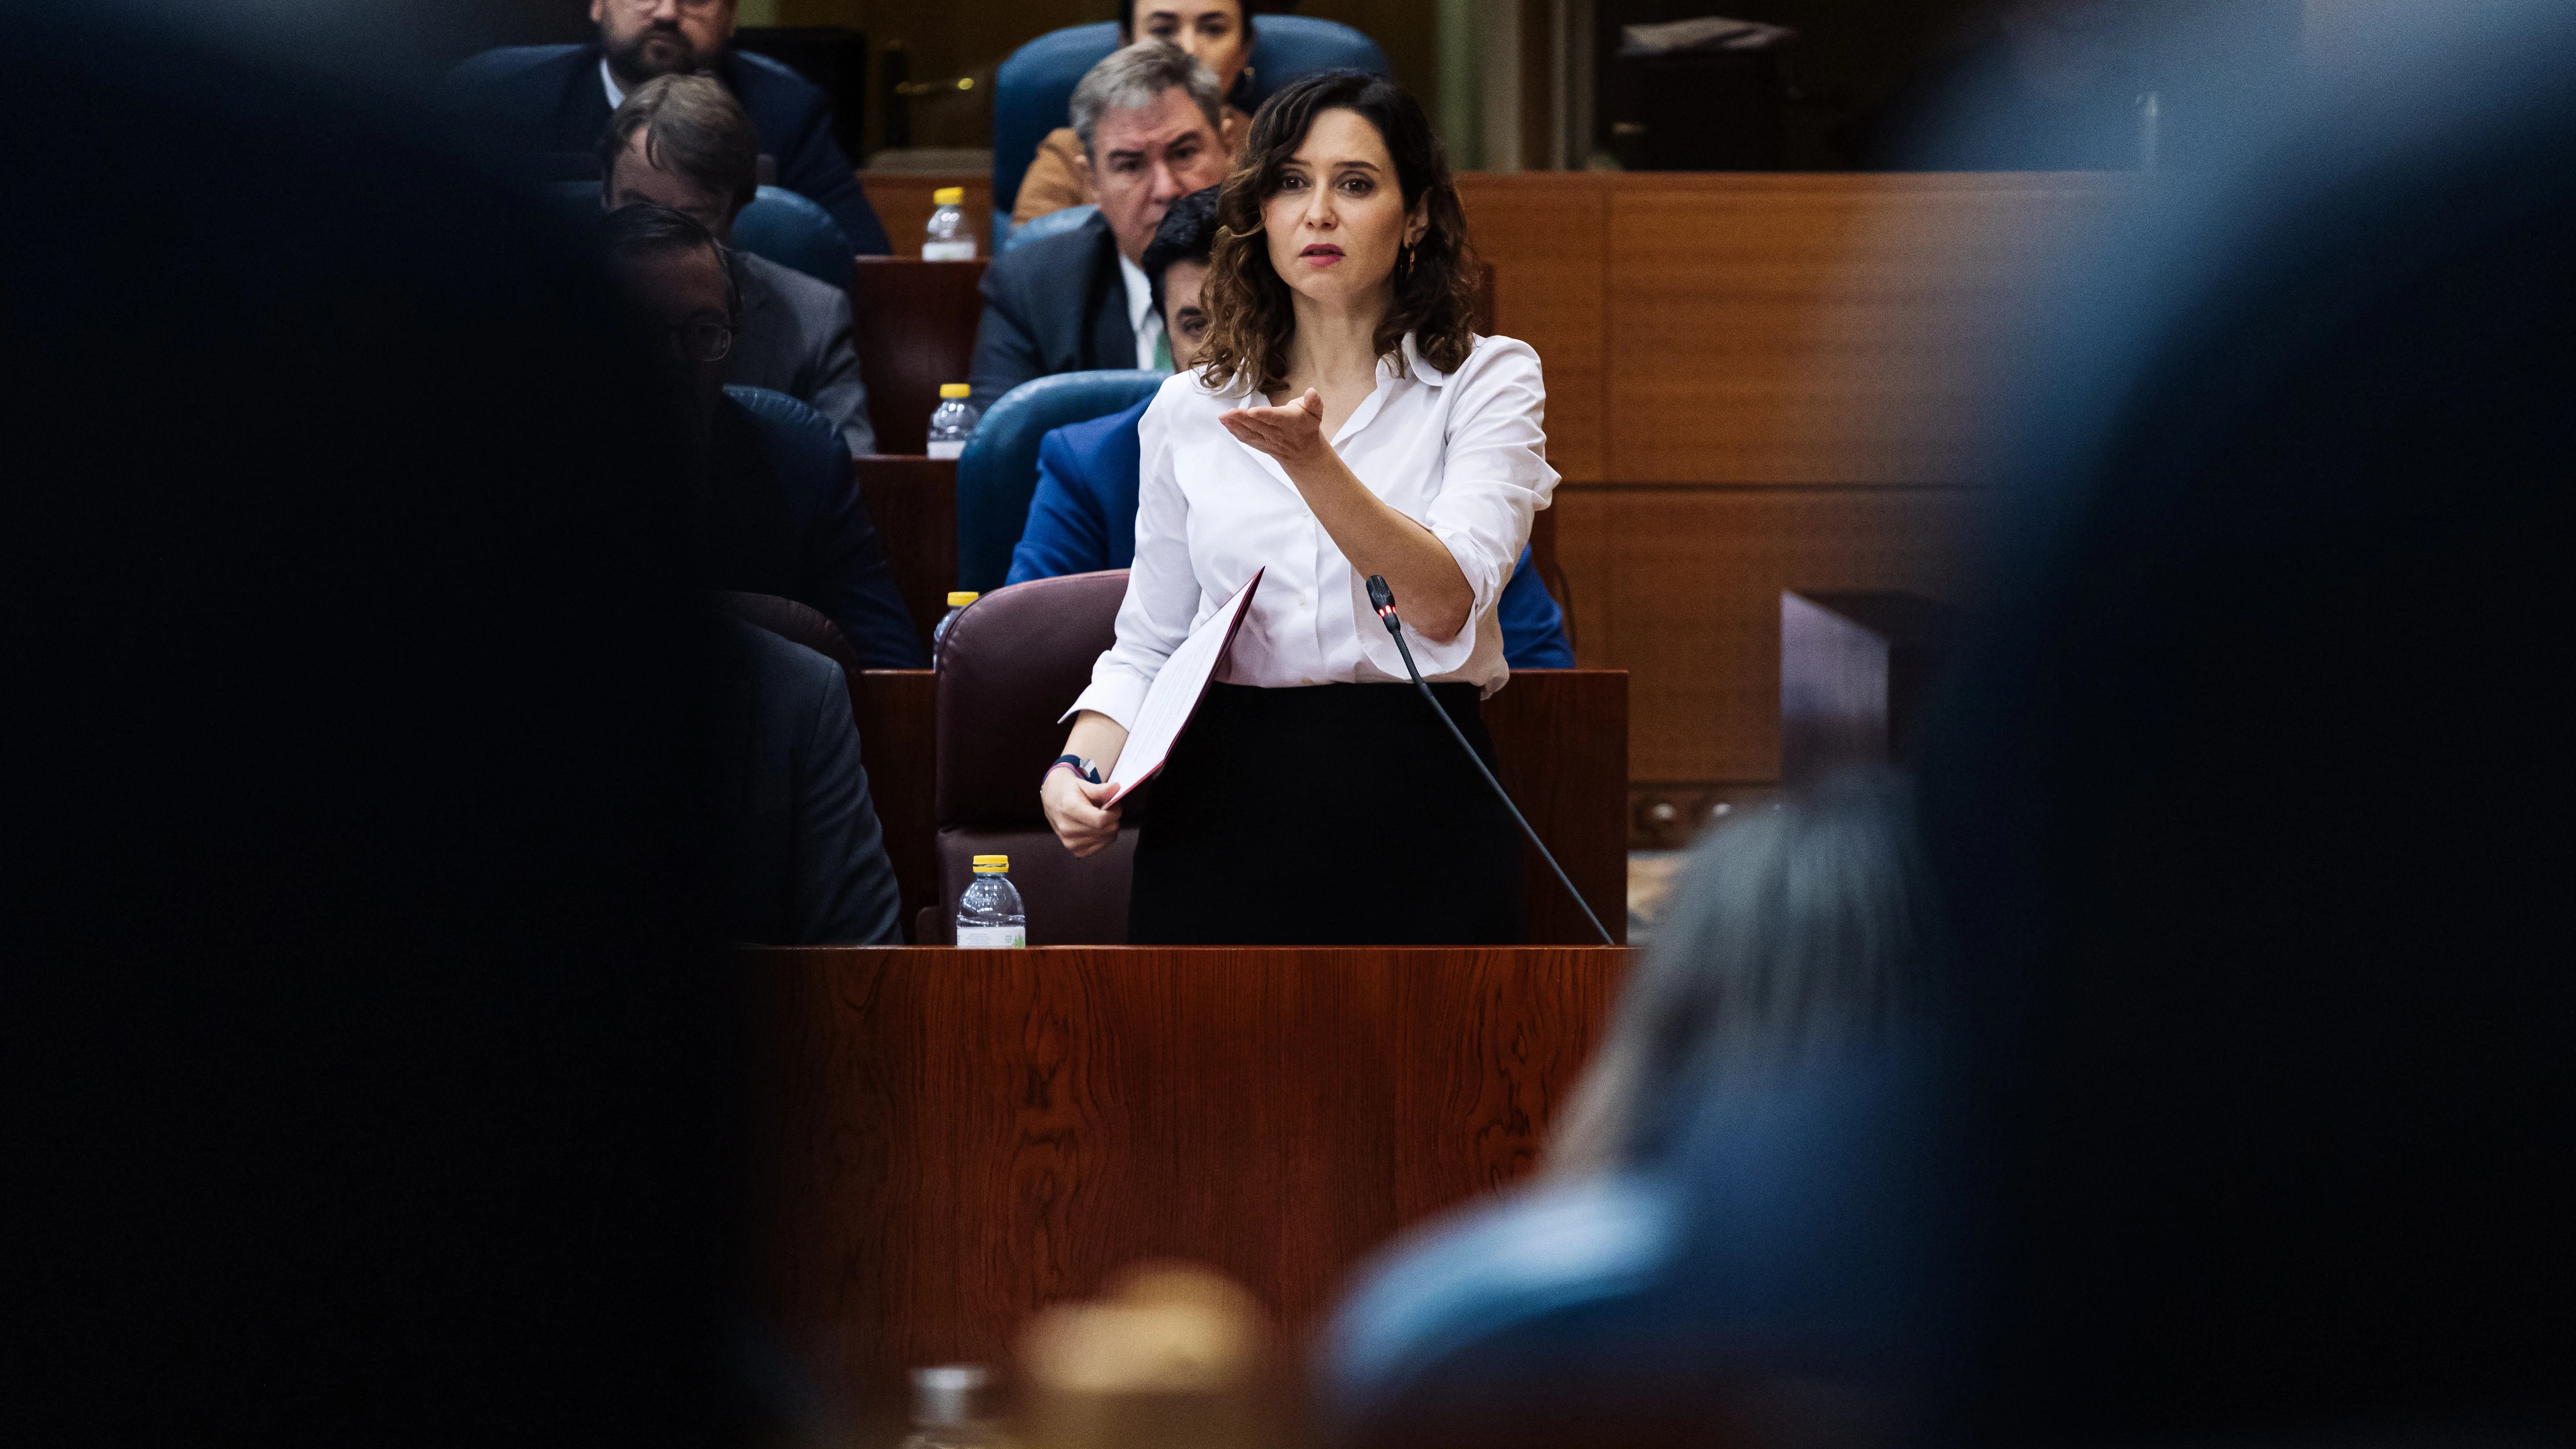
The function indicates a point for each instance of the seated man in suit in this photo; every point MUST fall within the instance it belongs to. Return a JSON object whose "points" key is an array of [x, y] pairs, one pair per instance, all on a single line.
{"points": [[800, 856], [555, 98], [1147, 119], [1218, 33], [778, 503], [1083, 516], [682, 141]]}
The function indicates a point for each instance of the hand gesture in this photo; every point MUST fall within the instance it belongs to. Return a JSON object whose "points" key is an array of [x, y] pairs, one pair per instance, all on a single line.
{"points": [[1074, 810], [1292, 432]]}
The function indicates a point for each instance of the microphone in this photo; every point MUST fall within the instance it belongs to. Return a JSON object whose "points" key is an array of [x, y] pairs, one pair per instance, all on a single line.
{"points": [[1382, 599]]}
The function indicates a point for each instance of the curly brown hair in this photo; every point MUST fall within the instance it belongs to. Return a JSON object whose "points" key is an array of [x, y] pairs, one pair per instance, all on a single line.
{"points": [[1251, 319]]}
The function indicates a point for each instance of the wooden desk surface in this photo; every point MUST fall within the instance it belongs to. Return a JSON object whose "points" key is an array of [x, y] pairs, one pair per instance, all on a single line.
{"points": [[944, 1141]]}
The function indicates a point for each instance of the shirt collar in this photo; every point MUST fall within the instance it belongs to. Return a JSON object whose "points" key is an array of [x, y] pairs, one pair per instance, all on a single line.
{"points": [[1416, 364], [1140, 293], [608, 82]]}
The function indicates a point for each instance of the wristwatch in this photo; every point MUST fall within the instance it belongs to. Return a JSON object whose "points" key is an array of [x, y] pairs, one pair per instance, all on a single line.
{"points": [[1086, 769]]}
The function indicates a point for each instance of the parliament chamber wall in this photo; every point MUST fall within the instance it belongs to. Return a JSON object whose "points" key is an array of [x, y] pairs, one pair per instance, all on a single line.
{"points": [[1760, 382]]}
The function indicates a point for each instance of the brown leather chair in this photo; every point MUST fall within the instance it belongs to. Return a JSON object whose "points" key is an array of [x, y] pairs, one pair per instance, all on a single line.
{"points": [[1010, 666]]}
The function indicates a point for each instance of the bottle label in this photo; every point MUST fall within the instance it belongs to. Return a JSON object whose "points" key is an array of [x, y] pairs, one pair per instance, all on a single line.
{"points": [[948, 448], [948, 251], [988, 938]]}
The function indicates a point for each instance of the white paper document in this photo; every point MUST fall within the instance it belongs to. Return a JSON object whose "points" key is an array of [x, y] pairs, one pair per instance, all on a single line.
{"points": [[1175, 693]]}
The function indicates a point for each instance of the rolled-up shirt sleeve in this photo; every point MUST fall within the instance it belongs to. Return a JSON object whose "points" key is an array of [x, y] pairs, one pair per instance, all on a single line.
{"points": [[1494, 477], [1163, 595]]}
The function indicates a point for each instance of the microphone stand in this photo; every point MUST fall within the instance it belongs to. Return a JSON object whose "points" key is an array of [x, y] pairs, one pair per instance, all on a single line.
{"points": [[1383, 598]]}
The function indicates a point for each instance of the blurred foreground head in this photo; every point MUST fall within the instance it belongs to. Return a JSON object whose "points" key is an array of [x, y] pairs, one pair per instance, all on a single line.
{"points": [[371, 1087], [2247, 828], [2252, 816], [1741, 1242]]}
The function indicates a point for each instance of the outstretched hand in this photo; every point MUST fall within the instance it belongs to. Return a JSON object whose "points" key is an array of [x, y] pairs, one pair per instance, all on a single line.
{"points": [[1292, 432]]}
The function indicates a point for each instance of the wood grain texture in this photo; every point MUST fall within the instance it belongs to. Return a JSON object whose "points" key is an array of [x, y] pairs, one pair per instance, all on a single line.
{"points": [[915, 329], [1545, 236], [913, 503], [902, 202], [1561, 750], [1681, 587], [1804, 364], [898, 717], [1821, 328], [943, 1142]]}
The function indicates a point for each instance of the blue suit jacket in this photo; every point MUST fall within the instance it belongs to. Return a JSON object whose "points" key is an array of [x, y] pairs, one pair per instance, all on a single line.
{"points": [[548, 98], [1083, 519], [781, 514]]}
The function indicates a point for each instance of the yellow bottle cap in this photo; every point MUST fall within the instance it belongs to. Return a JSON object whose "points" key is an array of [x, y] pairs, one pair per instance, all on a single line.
{"points": [[955, 389], [992, 862], [947, 196], [961, 600]]}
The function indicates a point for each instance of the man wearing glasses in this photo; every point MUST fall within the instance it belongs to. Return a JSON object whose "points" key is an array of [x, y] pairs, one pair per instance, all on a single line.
{"points": [[778, 505], [680, 141], [556, 98]]}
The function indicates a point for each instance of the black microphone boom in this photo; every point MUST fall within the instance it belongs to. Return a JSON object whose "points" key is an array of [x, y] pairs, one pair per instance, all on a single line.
{"points": [[1382, 599]]}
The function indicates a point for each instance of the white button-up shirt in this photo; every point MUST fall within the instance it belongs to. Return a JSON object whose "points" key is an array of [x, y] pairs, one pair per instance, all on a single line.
{"points": [[1141, 317], [1463, 454]]}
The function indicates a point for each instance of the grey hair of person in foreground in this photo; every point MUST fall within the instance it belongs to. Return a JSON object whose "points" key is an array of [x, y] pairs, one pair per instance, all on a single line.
{"points": [[1130, 79], [1789, 931]]}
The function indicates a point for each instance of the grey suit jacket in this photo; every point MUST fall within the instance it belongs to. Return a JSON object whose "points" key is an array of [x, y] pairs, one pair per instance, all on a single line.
{"points": [[794, 337]]}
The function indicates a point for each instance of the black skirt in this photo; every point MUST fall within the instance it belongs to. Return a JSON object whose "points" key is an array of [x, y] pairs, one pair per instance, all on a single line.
{"points": [[1335, 814]]}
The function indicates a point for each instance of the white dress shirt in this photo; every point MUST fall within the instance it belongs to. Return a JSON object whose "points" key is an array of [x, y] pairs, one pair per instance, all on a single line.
{"points": [[1141, 317], [608, 83], [1462, 453]]}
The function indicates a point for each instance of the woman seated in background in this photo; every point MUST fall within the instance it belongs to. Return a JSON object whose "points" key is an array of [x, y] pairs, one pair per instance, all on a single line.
{"points": [[1791, 930], [1216, 33], [1344, 421]]}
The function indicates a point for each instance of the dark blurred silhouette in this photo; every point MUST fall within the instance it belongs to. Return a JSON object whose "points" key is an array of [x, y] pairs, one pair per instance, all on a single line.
{"points": [[800, 856], [2248, 824], [368, 1081], [2252, 817], [1790, 931], [778, 508], [1741, 1240]]}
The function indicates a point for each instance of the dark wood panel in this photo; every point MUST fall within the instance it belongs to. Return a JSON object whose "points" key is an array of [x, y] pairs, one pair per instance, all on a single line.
{"points": [[945, 1141], [898, 716], [1822, 328], [1561, 749], [915, 329], [1681, 587], [902, 202], [913, 503]]}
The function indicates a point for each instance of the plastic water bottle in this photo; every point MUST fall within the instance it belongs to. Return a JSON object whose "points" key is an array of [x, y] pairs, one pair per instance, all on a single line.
{"points": [[957, 603], [953, 421], [947, 1409], [950, 238], [989, 915]]}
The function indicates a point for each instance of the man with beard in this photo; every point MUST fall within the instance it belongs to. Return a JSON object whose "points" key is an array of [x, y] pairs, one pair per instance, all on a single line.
{"points": [[557, 98], [778, 505]]}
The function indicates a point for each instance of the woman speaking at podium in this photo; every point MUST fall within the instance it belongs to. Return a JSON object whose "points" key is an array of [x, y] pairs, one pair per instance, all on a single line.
{"points": [[1343, 419]]}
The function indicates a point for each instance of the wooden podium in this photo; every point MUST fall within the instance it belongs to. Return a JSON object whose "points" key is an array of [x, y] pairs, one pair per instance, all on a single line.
{"points": [[944, 1141]]}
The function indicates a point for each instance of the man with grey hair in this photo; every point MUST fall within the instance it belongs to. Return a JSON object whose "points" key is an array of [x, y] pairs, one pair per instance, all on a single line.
{"points": [[1147, 119]]}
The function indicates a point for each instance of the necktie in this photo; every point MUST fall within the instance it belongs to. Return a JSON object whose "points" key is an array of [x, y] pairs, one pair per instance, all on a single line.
{"points": [[1162, 352]]}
